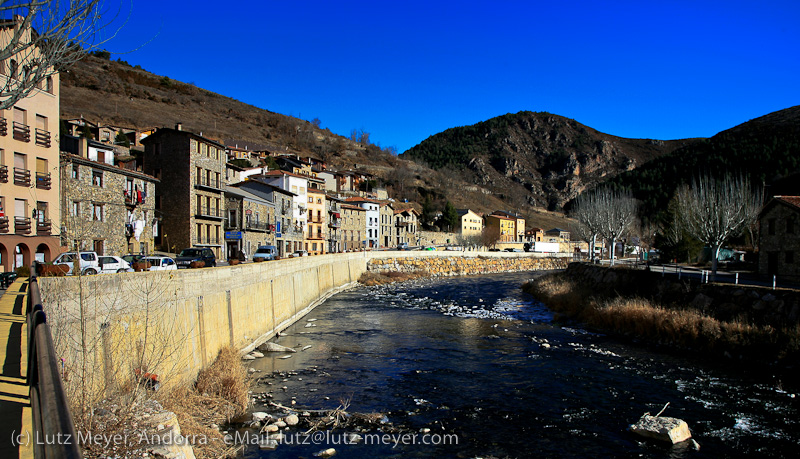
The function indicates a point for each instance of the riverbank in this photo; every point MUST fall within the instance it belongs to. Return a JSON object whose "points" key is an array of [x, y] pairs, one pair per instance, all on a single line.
{"points": [[745, 324]]}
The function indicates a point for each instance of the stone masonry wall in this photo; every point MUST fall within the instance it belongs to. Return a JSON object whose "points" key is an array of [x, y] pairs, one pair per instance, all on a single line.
{"points": [[458, 265]]}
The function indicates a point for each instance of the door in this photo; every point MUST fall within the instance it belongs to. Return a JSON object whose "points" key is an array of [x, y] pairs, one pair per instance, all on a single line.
{"points": [[772, 263]]}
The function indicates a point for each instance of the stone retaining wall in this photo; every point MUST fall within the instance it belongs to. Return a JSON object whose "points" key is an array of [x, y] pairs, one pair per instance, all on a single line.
{"points": [[465, 264]]}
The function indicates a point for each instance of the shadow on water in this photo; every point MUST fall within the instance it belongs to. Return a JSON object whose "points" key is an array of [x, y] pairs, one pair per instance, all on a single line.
{"points": [[476, 358]]}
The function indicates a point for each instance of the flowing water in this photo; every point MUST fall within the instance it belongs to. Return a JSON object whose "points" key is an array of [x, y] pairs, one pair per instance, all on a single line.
{"points": [[480, 363]]}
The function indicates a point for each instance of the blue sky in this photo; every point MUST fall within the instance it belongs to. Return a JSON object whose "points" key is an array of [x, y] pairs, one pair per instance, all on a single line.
{"points": [[404, 71]]}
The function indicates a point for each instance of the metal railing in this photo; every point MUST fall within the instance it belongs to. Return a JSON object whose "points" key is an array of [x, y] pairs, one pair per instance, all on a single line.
{"points": [[3, 224], [3, 126], [43, 180], [22, 225], [3, 174], [21, 131], [49, 406], [208, 182], [42, 137], [22, 176]]}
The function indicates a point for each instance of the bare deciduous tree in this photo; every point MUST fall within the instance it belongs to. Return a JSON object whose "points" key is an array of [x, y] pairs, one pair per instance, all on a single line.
{"points": [[615, 213], [715, 210], [40, 37], [585, 211]]}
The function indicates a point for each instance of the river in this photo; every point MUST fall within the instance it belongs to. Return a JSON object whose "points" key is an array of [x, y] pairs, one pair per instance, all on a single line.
{"points": [[478, 362]]}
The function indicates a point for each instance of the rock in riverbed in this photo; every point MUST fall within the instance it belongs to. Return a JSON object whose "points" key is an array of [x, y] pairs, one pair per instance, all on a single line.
{"points": [[672, 430], [275, 347]]}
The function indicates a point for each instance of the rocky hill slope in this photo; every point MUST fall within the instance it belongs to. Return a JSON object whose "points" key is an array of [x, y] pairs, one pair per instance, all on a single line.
{"points": [[544, 159]]}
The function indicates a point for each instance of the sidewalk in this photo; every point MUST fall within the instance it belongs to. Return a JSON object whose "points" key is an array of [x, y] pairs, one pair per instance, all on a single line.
{"points": [[15, 407]]}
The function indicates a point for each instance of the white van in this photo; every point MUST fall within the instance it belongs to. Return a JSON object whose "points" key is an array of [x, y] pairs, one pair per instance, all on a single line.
{"points": [[89, 262]]}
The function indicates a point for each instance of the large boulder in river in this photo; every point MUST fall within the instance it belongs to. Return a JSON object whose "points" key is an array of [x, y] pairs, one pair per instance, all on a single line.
{"points": [[275, 347], [672, 430]]}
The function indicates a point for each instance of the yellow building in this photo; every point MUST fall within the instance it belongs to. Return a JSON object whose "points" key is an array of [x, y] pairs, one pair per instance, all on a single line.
{"points": [[29, 162], [505, 225], [317, 214], [471, 223]]}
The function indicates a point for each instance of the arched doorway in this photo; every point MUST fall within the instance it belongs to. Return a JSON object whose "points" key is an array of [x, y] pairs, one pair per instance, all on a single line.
{"points": [[5, 258], [43, 253], [22, 256]]}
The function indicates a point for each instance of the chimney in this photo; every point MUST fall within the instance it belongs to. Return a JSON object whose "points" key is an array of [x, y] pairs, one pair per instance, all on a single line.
{"points": [[179, 127]]}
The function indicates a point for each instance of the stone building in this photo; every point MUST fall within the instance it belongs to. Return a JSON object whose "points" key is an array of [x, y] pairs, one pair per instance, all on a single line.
{"points": [[107, 209], [779, 244], [386, 213], [29, 203], [190, 194], [334, 224], [406, 226], [250, 222], [317, 221], [354, 225], [288, 237]]}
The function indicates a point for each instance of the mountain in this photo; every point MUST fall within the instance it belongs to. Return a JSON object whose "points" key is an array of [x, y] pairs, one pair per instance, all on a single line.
{"points": [[536, 159], [764, 149], [114, 92]]}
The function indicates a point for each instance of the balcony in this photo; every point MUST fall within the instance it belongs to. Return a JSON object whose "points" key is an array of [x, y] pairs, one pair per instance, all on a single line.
{"points": [[258, 226], [3, 174], [22, 132], [43, 227], [3, 224], [42, 138], [22, 225], [232, 225], [22, 176], [3, 126], [43, 181], [208, 184], [133, 197], [213, 213], [208, 240], [334, 224]]}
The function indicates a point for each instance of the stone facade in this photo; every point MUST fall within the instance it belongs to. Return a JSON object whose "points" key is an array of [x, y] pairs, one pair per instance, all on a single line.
{"points": [[458, 265], [406, 226], [354, 224], [249, 223], [436, 238], [107, 209], [386, 212], [192, 173]]}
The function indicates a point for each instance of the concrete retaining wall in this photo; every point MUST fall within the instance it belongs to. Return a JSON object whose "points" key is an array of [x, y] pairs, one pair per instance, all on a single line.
{"points": [[173, 323]]}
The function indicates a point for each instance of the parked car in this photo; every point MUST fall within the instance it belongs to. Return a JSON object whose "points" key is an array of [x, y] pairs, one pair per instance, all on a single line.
{"points": [[160, 263], [265, 252], [402, 246], [431, 248], [112, 264], [511, 249], [187, 256], [132, 258], [300, 253], [89, 263]]}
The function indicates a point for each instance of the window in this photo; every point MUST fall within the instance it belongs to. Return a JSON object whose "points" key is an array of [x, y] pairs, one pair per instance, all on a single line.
{"points": [[790, 225], [771, 226], [76, 209], [76, 172], [310, 200], [192, 146], [97, 212], [204, 149], [98, 246], [789, 257], [97, 178]]}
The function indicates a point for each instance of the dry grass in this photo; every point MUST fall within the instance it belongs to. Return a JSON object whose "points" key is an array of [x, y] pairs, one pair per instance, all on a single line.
{"points": [[388, 277], [683, 328], [220, 393]]}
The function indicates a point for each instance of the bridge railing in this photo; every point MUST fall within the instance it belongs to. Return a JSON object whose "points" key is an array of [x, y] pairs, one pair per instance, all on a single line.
{"points": [[53, 428]]}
